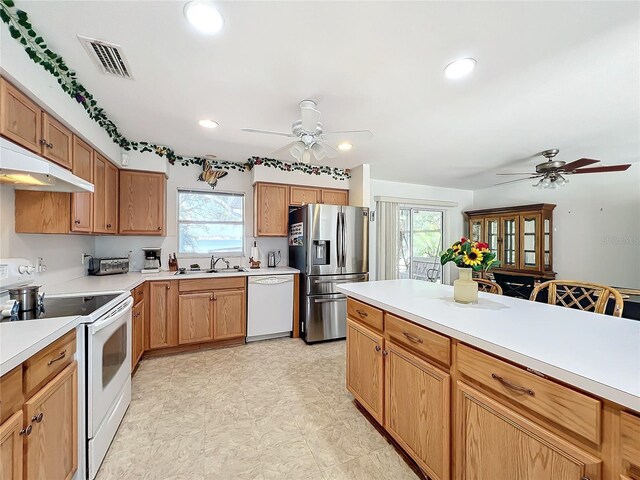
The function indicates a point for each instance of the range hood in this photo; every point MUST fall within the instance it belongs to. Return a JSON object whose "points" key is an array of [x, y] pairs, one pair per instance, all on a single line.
{"points": [[27, 171]]}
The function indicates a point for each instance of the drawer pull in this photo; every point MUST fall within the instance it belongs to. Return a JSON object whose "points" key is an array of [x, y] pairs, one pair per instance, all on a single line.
{"points": [[59, 357], [412, 338], [362, 313], [513, 386]]}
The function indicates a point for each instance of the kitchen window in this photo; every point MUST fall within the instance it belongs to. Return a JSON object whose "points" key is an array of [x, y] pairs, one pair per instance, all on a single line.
{"points": [[210, 223]]}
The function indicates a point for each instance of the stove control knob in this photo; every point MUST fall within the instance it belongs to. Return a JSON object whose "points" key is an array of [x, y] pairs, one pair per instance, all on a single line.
{"points": [[28, 269]]}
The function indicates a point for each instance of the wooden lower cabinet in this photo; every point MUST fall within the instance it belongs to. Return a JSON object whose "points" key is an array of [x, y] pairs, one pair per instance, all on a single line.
{"points": [[196, 313], [494, 442], [11, 452], [51, 449], [137, 333], [229, 314], [417, 411], [163, 314], [365, 367]]}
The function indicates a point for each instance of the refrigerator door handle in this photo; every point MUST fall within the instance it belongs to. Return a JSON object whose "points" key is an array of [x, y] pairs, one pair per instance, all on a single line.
{"points": [[344, 241], [339, 240]]}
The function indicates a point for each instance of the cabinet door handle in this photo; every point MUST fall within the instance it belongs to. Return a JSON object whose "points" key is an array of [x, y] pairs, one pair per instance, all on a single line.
{"points": [[378, 348], [49, 145], [159, 228], [211, 298], [513, 386], [385, 353], [59, 357], [42, 141], [26, 431], [108, 225], [168, 287], [37, 418], [362, 313], [412, 338], [77, 222]]}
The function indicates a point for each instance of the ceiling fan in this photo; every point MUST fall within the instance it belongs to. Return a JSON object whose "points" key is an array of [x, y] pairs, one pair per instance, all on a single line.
{"points": [[551, 173], [311, 140]]}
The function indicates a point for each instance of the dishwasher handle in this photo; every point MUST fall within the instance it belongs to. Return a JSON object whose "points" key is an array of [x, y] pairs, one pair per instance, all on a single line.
{"points": [[271, 280]]}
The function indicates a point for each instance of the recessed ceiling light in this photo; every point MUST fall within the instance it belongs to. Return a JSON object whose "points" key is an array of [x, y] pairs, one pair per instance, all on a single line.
{"points": [[204, 17], [345, 146], [459, 68], [208, 123]]}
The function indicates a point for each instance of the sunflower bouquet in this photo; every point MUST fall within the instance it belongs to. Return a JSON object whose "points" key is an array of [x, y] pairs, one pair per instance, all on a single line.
{"points": [[467, 254]]}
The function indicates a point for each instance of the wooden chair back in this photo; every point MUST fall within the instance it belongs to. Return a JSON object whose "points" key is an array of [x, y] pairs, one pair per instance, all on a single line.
{"points": [[517, 286], [590, 297], [488, 286]]}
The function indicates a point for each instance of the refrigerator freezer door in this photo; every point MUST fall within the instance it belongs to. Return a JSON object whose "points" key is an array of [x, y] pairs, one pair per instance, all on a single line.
{"points": [[326, 318], [355, 249], [326, 284], [323, 239]]}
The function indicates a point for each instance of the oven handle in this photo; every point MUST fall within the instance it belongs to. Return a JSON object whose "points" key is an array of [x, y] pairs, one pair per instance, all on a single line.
{"points": [[112, 317]]}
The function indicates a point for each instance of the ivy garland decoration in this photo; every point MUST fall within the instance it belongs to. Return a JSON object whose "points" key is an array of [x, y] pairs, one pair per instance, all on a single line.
{"points": [[21, 29]]}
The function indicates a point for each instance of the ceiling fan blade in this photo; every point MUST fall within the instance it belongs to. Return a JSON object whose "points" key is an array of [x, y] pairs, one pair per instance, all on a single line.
{"points": [[527, 173], [611, 168], [518, 180], [310, 117], [268, 132], [364, 133], [582, 162], [330, 152], [285, 152]]}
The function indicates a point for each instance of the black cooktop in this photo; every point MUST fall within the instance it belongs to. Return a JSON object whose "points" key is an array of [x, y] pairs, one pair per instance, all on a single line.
{"points": [[64, 307]]}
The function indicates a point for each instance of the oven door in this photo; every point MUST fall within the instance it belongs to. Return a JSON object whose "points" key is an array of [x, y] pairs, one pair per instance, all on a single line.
{"points": [[108, 362]]}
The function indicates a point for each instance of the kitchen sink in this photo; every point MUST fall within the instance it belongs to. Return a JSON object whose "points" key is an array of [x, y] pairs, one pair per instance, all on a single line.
{"points": [[185, 271]]}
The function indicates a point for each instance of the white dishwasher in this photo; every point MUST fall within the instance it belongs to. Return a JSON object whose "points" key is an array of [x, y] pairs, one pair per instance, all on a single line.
{"points": [[270, 307]]}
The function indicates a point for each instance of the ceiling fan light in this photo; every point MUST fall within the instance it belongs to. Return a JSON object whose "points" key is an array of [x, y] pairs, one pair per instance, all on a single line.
{"points": [[306, 156], [345, 146], [546, 182], [318, 151], [296, 152], [538, 185]]}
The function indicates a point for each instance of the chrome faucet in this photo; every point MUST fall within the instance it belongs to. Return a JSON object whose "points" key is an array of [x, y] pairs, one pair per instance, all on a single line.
{"points": [[214, 262]]}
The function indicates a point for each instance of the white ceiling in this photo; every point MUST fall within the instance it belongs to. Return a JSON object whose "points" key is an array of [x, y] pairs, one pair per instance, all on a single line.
{"points": [[549, 75]]}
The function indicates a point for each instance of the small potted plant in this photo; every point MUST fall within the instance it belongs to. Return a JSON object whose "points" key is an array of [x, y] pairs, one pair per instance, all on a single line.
{"points": [[468, 256]]}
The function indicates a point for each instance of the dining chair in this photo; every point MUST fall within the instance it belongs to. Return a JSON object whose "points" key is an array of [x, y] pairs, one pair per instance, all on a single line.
{"points": [[590, 297], [488, 286], [517, 286]]}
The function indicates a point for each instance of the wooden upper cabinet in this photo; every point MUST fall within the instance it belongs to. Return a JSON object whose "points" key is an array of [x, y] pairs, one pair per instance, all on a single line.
{"points": [[105, 199], [42, 212], [195, 317], [495, 442], [142, 203], [11, 451], [304, 195], [163, 315], [57, 144], [271, 210], [20, 117], [335, 197], [365, 366], [417, 409], [51, 449], [229, 316], [82, 203]]}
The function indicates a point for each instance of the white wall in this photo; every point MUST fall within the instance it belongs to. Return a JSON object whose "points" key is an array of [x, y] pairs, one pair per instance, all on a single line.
{"points": [[61, 253], [596, 224], [454, 218]]}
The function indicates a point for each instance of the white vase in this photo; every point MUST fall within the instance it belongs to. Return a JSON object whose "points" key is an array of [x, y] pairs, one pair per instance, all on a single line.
{"points": [[465, 290]]}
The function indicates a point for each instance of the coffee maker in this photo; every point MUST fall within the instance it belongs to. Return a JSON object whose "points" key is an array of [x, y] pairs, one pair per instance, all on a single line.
{"points": [[152, 261]]}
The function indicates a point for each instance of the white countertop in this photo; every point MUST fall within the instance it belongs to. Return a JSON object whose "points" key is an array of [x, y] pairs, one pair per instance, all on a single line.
{"points": [[21, 340], [599, 354], [93, 285]]}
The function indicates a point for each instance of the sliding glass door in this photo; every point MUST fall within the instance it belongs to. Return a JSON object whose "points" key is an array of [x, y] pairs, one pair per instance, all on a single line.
{"points": [[420, 244]]}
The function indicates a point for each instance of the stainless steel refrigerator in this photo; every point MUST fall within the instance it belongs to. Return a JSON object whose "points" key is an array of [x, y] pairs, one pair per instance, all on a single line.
{"points": [[329, 244]]}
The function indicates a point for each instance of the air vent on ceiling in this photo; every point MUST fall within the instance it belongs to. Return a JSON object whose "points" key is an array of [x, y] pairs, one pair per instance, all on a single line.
{"points": [[108, 57]]}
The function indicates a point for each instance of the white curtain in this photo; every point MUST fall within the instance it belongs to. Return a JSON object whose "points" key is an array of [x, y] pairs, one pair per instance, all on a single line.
{"points": [[388, 234]]}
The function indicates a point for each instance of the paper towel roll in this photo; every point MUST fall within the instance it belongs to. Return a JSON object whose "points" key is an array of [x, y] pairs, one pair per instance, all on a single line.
{"points": [[255, 253]]}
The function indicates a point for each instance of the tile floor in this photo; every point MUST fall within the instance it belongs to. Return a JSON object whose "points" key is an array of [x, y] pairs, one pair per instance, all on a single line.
{"points": [[270, 410]]}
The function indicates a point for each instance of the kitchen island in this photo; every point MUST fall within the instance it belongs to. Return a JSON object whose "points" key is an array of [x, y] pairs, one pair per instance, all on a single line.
{"points": [[502, 389]]}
